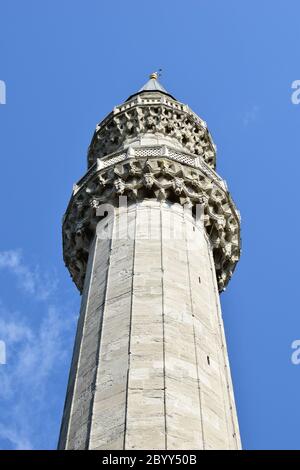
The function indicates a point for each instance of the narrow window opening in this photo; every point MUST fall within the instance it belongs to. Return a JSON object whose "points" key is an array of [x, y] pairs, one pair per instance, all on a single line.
{"points": [[199, 278], [208, 360]]}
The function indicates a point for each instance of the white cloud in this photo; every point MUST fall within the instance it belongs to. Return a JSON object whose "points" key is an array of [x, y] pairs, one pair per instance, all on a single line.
{"points": [[38, 346], [30, 280], [14, 332], [35, 354], [42, 349], [15, 437]]}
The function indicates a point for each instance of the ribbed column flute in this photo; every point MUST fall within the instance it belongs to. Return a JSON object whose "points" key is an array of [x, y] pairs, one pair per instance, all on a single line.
{"points": [[150, 358]]}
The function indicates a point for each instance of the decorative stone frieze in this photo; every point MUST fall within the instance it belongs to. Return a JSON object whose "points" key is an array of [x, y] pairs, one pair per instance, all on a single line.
{"points": [[152, 117], [162, 179]]}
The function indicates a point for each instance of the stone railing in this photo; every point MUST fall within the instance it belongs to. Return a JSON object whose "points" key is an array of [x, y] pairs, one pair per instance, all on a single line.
{"points": [[158, 151]]}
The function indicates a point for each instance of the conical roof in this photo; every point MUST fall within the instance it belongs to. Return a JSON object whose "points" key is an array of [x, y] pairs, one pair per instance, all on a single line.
{"points": [[152, 85]]}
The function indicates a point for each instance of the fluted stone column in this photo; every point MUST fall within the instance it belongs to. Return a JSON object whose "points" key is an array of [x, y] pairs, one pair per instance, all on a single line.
{"points": [[150, 366]]}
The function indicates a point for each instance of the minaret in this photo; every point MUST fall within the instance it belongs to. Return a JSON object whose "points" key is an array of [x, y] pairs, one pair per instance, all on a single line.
{"points": [[150, 237]]}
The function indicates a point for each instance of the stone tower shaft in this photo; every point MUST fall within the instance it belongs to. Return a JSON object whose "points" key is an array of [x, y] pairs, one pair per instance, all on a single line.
{"points": [[150, 237]]}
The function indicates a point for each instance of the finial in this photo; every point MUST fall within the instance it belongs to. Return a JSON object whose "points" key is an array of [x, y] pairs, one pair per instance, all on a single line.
{"points": [[155, 75]]}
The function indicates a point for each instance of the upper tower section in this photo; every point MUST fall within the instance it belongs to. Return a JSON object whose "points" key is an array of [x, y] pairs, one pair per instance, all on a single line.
{"points": [[152, 147], [148, 115]]}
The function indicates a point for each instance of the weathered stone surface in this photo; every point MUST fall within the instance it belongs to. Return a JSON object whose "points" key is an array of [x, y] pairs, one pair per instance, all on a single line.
{"points": [[163, 180], [152, 116], [150, 367], [154, 358]]}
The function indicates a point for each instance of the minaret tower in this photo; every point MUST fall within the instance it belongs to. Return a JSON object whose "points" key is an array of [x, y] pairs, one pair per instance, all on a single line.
{"points": [[150, 237]]}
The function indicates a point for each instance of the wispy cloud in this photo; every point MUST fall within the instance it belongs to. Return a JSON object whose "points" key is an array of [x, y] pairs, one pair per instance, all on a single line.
{"points": [[35, 355], [38, 348], [13, 332], [42, 349], [30, 280], [15, 437]]}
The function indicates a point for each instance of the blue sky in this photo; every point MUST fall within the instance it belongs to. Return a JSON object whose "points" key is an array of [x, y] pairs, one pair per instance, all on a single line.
{"points": [[65, 65]]}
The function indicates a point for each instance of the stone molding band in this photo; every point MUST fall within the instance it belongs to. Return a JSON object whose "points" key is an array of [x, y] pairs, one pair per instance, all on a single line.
{"points": [[151, 178]]}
